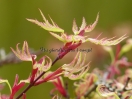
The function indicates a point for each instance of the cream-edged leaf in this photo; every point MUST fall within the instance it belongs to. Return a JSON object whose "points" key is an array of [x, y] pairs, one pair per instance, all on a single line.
{"points": [[104, 92], [107, 42], [75, 28], [89, 28], [46, 25], [23, 54], [57, 36], [76, 69]]}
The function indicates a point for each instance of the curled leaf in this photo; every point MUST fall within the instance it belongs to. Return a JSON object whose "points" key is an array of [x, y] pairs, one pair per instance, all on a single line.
{"points": [[105, 92], [76, 69], [75, 28], [5, 81], [91, 27], [84, 26], [43, 64], [23, 54]]}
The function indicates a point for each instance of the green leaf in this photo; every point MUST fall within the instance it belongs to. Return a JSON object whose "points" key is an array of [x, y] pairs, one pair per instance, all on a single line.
{"points": [[127, 47]]}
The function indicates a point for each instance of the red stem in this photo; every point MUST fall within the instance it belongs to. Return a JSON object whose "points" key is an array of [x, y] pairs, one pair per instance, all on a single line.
{"points": [[32, 84], [118, 48]]}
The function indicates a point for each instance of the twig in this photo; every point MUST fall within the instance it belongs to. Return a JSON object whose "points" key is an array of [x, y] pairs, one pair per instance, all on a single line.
{"points": [[12, 59], [124, 88], [91, 90]]}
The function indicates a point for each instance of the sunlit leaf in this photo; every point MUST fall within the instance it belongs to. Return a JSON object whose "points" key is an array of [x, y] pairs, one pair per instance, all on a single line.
{"points": [[107, 42], [23, 54], [91, 27], [76, 69], [46, 25]]}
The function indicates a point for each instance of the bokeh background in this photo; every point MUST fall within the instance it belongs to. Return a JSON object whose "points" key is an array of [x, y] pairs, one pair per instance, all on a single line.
{"points": [[115, 19]]}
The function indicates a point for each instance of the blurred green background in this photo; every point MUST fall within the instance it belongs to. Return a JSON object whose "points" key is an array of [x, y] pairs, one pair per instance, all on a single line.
{"points": [[14, 28]]}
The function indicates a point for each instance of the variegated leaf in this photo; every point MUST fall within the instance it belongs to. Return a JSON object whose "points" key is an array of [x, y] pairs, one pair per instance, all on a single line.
{"points": [[104, 92], [91, 27], [107, 42], [23, 54], [75, 27], [43, 64], [76, 69], [46, 25]]}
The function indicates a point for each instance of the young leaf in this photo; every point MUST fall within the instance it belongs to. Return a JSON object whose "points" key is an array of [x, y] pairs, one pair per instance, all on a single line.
{"points": [[46, 25]]}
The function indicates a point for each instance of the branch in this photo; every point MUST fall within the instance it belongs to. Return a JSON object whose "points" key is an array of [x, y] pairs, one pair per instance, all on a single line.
{"points": [[11, 58]]}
